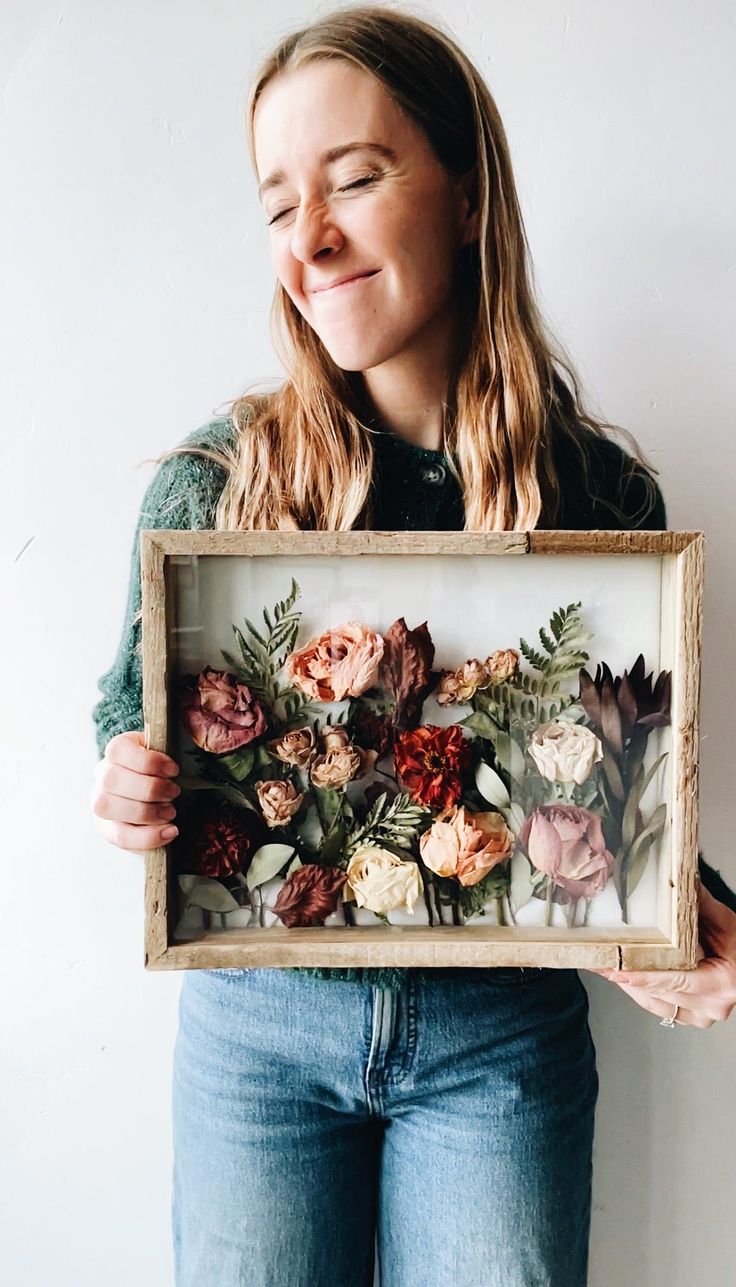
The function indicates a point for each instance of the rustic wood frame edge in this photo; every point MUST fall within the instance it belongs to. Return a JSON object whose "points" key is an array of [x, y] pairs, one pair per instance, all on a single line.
{"points": [[441, 946]]}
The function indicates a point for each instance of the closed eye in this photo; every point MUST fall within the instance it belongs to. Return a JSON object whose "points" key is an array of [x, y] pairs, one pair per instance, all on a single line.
{"points": [[356, 183]]}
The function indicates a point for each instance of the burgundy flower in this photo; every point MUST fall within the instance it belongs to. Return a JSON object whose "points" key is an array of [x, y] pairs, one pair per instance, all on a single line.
{"points": [[406, 670], [217, 839], [627, 706], [430, 760], [372, 731], [219, 713], [309, 895]]}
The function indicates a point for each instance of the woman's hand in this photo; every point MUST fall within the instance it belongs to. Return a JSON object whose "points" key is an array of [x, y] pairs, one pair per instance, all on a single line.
{"points": [[133, 793], [705, 995]]}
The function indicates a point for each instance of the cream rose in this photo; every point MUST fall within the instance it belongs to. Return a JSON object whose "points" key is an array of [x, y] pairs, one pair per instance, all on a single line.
{"points": [[380, 881], [279, 801], [565, 752]]}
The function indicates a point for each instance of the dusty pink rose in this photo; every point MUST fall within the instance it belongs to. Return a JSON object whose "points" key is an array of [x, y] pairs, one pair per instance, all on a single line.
{"points": [[342, 662], [279, 801], [568, 844], [466, 845], [219, 713]]}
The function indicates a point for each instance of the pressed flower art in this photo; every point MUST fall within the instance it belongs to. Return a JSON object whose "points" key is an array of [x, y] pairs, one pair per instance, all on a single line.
{"points": [[346, 778]]}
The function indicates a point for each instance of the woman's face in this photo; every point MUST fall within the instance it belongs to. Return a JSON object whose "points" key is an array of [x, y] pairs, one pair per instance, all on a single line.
{"points": [[390, 213]]}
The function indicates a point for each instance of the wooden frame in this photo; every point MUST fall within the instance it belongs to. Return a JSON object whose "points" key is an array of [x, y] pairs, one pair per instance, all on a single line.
{"points": [[670, 944]]}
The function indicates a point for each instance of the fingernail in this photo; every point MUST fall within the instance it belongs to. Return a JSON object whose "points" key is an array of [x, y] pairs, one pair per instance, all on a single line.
{"points": [[168, 833]]}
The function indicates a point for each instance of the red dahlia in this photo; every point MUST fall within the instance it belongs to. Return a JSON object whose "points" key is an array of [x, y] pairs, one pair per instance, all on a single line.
{"points": [[430, 760]]}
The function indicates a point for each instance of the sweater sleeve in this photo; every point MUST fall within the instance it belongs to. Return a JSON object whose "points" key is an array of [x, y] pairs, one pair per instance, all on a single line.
{"points": [[182, 494]]}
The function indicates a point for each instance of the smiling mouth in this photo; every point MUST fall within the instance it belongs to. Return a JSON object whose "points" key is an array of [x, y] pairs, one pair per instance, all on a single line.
{"points": [[352, 281]]}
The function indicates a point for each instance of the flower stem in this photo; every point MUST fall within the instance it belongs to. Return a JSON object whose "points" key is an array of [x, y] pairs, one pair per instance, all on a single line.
{"points": [[548, 913]]}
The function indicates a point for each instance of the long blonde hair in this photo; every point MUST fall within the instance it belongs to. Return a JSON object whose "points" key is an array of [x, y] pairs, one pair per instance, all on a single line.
{"points": [[303, 454]]}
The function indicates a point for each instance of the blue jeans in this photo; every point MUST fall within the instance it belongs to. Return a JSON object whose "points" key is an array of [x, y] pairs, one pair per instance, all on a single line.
{"points": [[449, 1125]]}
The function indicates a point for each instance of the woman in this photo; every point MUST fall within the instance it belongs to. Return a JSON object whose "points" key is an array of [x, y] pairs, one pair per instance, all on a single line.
{"points": [[447, 1112]]}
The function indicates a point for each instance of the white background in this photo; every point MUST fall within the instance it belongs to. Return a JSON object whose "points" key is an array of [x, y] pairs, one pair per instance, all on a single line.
{"points": [[136, 288]]}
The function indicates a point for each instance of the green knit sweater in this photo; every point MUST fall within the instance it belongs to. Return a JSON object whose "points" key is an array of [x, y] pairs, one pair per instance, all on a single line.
{"points": [[414, 491]]}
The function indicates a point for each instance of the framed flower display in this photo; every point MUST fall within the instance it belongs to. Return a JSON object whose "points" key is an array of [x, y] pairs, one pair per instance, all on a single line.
{"points": [[424, 748]]}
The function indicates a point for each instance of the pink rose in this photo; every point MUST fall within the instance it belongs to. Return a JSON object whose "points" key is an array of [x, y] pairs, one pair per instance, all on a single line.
{"points": [[568, 844], [342, 662], [219, 713]]}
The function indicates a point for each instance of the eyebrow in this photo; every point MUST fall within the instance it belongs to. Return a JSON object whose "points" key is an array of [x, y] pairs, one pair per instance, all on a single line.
{"points": [[327, 158]]}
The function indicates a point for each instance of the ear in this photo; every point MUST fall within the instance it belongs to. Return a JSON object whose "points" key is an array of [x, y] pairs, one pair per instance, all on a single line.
{"points": [[469, 206]]}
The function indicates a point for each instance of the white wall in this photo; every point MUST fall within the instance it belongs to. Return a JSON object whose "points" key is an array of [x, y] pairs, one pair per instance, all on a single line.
{"points": [[136, 290]]}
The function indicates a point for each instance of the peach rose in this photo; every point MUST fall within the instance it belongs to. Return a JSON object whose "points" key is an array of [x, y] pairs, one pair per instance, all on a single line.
{"points": [[296, 747], [501, 665], [466, 845], [342, 662], [279, 801], [336, 768]]}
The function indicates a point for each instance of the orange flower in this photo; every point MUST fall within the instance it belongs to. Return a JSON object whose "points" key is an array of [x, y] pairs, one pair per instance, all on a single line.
{"points": [[430, 760], [342, 662]]}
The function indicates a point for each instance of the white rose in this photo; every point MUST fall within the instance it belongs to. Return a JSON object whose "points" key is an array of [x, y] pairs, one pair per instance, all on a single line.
{"points": [[380, 881], [565, 752]]}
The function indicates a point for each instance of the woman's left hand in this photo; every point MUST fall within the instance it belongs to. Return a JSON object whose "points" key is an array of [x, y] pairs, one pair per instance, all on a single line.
{"points": [[705, 995]]}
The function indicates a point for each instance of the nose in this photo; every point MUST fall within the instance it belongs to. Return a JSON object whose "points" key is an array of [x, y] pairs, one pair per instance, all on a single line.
{"points": [[313, 232]]}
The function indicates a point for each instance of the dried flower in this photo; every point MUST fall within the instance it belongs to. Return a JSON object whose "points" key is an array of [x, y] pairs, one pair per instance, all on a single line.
{"points": [[565, 752], [342, 662], [296, 747], [309, 895], [501, 665], [627, 706], [430, 760], [466, 845], [219, 713], [568, 844], [380, 881], [279, 801], [406, 670], [217, 839], [336, 768]]}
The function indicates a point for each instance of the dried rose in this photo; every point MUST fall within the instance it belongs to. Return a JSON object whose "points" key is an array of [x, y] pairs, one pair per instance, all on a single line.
{"points": [[342, 662], [466, 845], [406, 670], [430, 760], [334, 737], [309, 895], [380, 881], [217, 839], [448, 688], [279, 801], [336, 768], [296, 747], [501, 665], [219, 713], [568, 844], [565, 752]]}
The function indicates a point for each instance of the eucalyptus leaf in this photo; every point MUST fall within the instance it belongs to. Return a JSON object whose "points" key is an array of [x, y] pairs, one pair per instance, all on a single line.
{"points": [[297, 862], [636, 859], [510, 755], [201, 891], [514, 816], [522, 885], [267, 863], [641, 782], [491, 786]]}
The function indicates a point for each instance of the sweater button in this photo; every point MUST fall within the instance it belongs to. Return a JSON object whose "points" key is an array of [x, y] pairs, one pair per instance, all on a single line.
{"points": [[434, 474]]}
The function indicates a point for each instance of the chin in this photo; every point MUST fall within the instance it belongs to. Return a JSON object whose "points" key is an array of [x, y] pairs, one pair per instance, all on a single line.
{"points": [[357, 356]]}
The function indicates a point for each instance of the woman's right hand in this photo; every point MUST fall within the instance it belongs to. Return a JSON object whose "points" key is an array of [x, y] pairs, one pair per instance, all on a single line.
{"points": [[133, 793]]}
